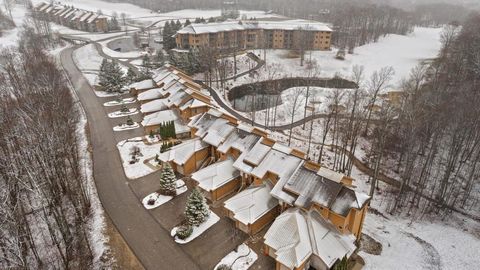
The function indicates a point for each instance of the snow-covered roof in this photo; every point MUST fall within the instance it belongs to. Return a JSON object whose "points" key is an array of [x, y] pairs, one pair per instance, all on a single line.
{"points": [[216, 175], [85, 16], [159, 118], [150, 94], [230, 25], [143, 85], [258, 152], [347, 199], [310, 187], [217, 133], [290, 239], [64, 11], [154, 106], [181, 153], [93, 18], [329, 174], [70, 13], [251, 204], [78, 14], [295, 235], [281, 164], [240, 140]]}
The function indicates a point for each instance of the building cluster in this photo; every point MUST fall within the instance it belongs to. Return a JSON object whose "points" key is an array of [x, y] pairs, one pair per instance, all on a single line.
{"points": [[317, 215], [252, 34], [72, 17]]}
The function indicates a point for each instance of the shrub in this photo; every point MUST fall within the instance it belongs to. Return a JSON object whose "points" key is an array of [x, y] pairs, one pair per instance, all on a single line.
{"points": [[224, 267], [184, 231]]}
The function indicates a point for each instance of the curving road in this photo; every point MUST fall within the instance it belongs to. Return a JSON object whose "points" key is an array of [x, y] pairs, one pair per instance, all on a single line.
{"points": [[150, 242]]}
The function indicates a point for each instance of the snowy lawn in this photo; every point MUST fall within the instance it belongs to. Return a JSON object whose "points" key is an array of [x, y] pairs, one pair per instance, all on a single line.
{"points": [[160, 199], [117, 103], [401, 52], [428, 243], [241, 259], [138, 168], [123, 127], [197, 230], [118, 114]]}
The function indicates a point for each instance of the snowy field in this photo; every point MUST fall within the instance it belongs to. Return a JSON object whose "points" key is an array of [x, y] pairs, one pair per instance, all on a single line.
{"points": [[401, 52], [430, 243], [138, 169], [10, 37]]}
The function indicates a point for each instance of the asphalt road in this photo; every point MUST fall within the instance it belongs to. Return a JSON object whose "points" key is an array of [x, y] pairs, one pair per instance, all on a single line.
{"points": [[150, 242]]}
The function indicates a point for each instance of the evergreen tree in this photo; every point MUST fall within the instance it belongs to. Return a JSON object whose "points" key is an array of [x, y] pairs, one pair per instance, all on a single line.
{"points": [[129, 121], [196, 210], [159, 59], [115, 78], [211, 20], [103, 74], [131, 76], [167, 181], [187, 23]]}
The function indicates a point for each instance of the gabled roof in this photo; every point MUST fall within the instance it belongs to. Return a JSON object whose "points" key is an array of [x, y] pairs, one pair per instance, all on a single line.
{"points": [[295, 235], [150, 94], [181, 153], [310, 187], [153, 106], [143, 85], [251, 204], [159, 118], [216, 175]]}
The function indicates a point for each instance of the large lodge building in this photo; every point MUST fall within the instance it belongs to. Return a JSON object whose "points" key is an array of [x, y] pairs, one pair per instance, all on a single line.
{"points": [[315, 214], [286, 34]]}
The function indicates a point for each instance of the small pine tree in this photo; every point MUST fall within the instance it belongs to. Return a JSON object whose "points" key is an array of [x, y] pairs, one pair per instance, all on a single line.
{"points": [[151, 135], [168, 181], [187, 23], [129, 121], [124, 109], [196, 210]]}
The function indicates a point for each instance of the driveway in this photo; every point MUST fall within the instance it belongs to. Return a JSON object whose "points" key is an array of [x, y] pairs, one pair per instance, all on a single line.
{"points": [[147, 233]]}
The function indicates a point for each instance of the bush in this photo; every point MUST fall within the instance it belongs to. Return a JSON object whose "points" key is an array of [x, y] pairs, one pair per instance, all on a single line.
{"points": [[184, 231], [224, 267]]}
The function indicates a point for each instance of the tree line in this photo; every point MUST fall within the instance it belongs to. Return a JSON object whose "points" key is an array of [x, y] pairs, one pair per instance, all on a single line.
{"points": [[44, 196]]}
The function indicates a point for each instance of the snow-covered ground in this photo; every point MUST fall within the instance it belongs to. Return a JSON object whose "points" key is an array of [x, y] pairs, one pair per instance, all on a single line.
{"points": [[118, 114], [241, 259], [428, 243], [139, 168], [401, 52], [10, 37], [197, 230], [117, 103], [160, 199]]}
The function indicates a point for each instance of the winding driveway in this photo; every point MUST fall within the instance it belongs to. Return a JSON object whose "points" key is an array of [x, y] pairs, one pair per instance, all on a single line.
{"points": [[151, 243]]}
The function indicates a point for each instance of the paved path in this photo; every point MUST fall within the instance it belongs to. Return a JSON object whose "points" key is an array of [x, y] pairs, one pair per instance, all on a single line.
{"points": [[150, 242]]}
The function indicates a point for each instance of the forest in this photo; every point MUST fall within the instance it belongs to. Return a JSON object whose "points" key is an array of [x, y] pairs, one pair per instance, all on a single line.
{"points": [[44, 196]]}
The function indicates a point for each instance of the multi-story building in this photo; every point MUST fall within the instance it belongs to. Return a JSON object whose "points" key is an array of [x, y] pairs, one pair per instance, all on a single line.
{"points": [[286, 34], [73, 17]]}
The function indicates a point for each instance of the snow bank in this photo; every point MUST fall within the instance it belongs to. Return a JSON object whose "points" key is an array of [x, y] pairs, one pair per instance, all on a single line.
{"points": [[197, 230], [138, 169], [161, 199], [241, 259]]}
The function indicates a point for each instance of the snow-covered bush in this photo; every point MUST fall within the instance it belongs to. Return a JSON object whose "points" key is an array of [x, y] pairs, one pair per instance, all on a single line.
{"points": [[184, 231]]}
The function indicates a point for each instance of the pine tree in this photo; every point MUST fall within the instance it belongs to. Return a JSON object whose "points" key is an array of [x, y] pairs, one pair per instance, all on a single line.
{"points": [[167, 181], [129, 121], [103, 74], [196, 210], [131, 76], [159, 59], [115, 78], [187, 23]]}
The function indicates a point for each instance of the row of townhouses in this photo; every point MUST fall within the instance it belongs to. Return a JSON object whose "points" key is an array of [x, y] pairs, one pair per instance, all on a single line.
{"points": [[315, 214], [72, 17], [285, 34]]}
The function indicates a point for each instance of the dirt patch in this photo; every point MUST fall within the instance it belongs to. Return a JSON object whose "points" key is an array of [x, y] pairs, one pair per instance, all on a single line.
{"points": [[370, 245], [121, 253]]}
